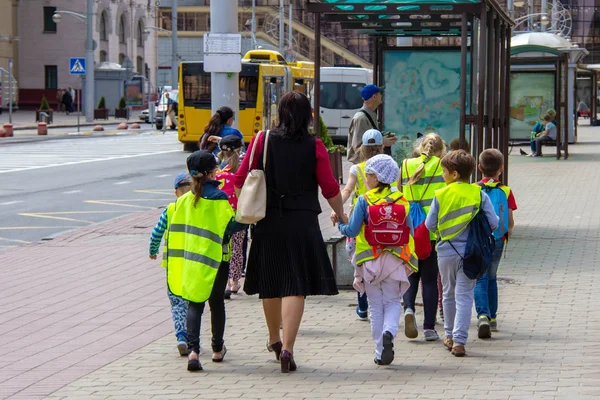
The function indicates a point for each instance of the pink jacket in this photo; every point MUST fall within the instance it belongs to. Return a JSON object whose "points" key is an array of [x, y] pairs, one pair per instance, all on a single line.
{"points": [[387, 266], [226, 178]]}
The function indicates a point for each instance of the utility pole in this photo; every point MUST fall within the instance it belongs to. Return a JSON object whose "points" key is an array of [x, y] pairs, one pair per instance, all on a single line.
{"points": [[89, 63], [281, 26], [254, 44], [174, 58], [225, 86], [290, 30]]}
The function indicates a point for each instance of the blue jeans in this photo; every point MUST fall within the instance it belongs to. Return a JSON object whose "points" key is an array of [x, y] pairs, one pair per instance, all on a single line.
{"points": [[486, 290], [363, 302]]}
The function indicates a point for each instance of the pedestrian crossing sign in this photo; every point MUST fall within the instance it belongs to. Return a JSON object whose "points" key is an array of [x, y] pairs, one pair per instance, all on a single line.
{"points": [[77, 66]]}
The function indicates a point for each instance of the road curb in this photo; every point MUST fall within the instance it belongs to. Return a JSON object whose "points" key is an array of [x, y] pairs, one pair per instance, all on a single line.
{"points": [[29, 138], [53, 126]]}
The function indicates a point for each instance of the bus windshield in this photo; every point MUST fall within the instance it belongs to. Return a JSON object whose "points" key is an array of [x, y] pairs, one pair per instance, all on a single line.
{"points": [[196, 86]]}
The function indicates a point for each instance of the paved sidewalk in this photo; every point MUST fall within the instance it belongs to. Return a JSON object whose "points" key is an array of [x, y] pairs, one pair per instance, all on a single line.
{"points": [[86, 316]]}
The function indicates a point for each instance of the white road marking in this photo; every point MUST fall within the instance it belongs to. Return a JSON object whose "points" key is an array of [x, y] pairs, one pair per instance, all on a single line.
{"points": [[72, 192], [122, 183], [8, 203], [90, 161], [163, 175]]}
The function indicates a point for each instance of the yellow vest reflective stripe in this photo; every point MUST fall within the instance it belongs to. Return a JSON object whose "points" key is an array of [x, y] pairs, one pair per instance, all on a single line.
{"points": [[458, 204], [365, 252], [196, 246], [416, 191], [419, 191], [170, 212], [361, 185]]}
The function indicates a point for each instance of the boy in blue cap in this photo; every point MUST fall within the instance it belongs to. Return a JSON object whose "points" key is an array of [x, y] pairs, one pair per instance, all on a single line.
{"points": [[179, 306]]}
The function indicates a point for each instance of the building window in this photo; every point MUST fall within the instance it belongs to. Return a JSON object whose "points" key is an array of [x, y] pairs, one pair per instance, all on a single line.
{"points": [[140, 34], [121, 58], [140, 65], [103, 56], [49, 24], [51, 77], [103, 35], [122, 29]]}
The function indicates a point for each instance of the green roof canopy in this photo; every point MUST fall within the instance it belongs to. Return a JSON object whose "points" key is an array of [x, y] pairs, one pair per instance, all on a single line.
{"points": [[402, 18]]}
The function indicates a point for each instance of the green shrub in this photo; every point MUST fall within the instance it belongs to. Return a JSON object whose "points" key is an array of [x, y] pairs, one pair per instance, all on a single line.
{"points": [[324, 134], [102, 103], [122, 103], [45, 106]]}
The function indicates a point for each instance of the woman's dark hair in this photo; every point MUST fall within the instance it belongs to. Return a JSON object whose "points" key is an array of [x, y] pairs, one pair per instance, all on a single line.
{"points": [[217, 121], [295, 115]]}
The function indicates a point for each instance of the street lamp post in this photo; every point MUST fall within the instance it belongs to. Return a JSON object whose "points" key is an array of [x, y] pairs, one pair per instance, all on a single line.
{"points": [[174, 60], [89, 55]]}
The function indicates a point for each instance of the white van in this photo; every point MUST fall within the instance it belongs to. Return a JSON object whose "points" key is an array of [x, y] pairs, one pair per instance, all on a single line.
{"points": [[340, 97]]}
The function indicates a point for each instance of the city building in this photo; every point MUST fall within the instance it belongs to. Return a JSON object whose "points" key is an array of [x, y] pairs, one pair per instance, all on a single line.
{"points": [[8, 33], [45, 46]]}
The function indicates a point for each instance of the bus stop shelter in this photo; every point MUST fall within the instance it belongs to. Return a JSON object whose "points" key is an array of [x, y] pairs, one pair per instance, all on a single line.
{"points": [[484, 29]]}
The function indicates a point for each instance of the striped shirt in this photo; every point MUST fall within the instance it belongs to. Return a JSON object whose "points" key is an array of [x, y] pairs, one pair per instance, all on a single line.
{"points": [[158, 232]]}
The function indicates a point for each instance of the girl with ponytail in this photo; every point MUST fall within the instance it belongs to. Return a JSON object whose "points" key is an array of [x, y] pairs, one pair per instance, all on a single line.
{"points": [[219, 126], [422, 176]]}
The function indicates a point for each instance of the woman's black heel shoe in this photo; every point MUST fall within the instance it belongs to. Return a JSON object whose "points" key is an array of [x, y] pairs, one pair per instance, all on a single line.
{"points": [[287, 362], [275, 347]]}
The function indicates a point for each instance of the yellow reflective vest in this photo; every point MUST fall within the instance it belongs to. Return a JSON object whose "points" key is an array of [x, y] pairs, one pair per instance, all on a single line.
{"points": [[196, 246], [365, 252], [424, 189], [361, 184], [458, 203], [170, 211]]}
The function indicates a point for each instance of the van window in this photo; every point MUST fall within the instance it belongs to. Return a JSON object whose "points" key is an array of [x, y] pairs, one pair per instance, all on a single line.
{"points": [[341, 95]]}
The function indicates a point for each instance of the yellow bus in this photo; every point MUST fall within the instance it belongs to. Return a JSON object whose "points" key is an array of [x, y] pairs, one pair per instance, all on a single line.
{"points": [[264, 79]]}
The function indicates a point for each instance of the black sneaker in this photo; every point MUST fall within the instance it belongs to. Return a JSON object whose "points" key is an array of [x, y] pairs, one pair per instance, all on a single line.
{"points": [[387, 356], [483, 328]]}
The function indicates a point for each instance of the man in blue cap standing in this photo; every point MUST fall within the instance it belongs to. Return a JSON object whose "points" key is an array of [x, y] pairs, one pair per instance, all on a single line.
{"points": [[366, 119]]}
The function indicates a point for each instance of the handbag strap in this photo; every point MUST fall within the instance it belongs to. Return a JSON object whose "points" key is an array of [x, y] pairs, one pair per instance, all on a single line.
{"points": [[252, 154], [265, 151]]}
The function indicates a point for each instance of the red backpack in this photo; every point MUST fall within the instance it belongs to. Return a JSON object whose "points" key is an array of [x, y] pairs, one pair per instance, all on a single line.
{"points": [[386, 224]]}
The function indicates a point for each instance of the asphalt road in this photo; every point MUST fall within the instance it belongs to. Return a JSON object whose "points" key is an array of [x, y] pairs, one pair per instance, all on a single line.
{"points": [[53, 186]]}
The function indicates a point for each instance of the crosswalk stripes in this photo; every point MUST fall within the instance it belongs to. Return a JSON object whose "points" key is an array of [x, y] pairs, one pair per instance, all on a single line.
{"points": [[51, 153]]}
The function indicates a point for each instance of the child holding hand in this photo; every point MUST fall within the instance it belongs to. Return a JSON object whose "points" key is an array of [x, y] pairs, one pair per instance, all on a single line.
{"points": [[382, 270]]}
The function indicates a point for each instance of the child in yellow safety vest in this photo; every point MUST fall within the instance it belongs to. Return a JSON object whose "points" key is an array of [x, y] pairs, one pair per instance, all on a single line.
{"points": [[357, 185], [382, 270], [178, 305], [452, 209], [198, 253]]}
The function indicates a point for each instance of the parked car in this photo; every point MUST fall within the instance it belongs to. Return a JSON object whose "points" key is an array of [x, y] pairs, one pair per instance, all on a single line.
{"points": [[340, 98], [144, 115]]}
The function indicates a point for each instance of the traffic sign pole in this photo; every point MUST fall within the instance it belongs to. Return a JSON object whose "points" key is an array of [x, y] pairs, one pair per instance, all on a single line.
{"points": [[225, 86], [10, 90], [89, 70]]}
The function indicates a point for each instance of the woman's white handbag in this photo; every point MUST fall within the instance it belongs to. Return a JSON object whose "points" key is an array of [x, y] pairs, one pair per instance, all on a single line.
{"points": [[252, 201]]}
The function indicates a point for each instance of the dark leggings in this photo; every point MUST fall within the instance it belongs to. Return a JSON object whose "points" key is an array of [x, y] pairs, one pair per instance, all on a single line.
{"points": [[428, 273], [217, 314]]}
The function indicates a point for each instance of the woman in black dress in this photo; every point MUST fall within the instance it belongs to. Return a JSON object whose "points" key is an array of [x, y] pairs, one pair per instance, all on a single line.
{"points": [[288, 259]]}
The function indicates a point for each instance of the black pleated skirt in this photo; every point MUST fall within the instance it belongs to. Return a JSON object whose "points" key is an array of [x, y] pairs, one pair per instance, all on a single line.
{"points": [[288, 257]]}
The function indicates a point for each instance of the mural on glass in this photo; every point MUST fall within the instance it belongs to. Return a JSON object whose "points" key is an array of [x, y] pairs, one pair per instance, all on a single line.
{"points": [[422, 94], [531, 95]]}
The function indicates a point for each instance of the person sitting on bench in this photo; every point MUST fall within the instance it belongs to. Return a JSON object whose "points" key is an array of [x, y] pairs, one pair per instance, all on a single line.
{"points": [[548, 134]]}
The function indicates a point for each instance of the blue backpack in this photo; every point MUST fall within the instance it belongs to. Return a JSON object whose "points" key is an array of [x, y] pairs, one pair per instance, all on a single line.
{"points": [[500, 202], [480, 247]]}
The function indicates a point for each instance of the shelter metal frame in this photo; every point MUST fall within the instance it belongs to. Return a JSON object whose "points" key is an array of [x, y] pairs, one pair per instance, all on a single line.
{"points": [[484, 22]]}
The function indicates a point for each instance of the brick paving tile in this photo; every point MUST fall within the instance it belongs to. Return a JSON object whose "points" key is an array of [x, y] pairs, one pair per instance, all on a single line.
{"points": [[86, 316]]}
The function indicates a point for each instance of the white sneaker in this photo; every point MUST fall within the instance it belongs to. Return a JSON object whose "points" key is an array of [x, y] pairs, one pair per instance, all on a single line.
{"points": [[410, 324]]}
